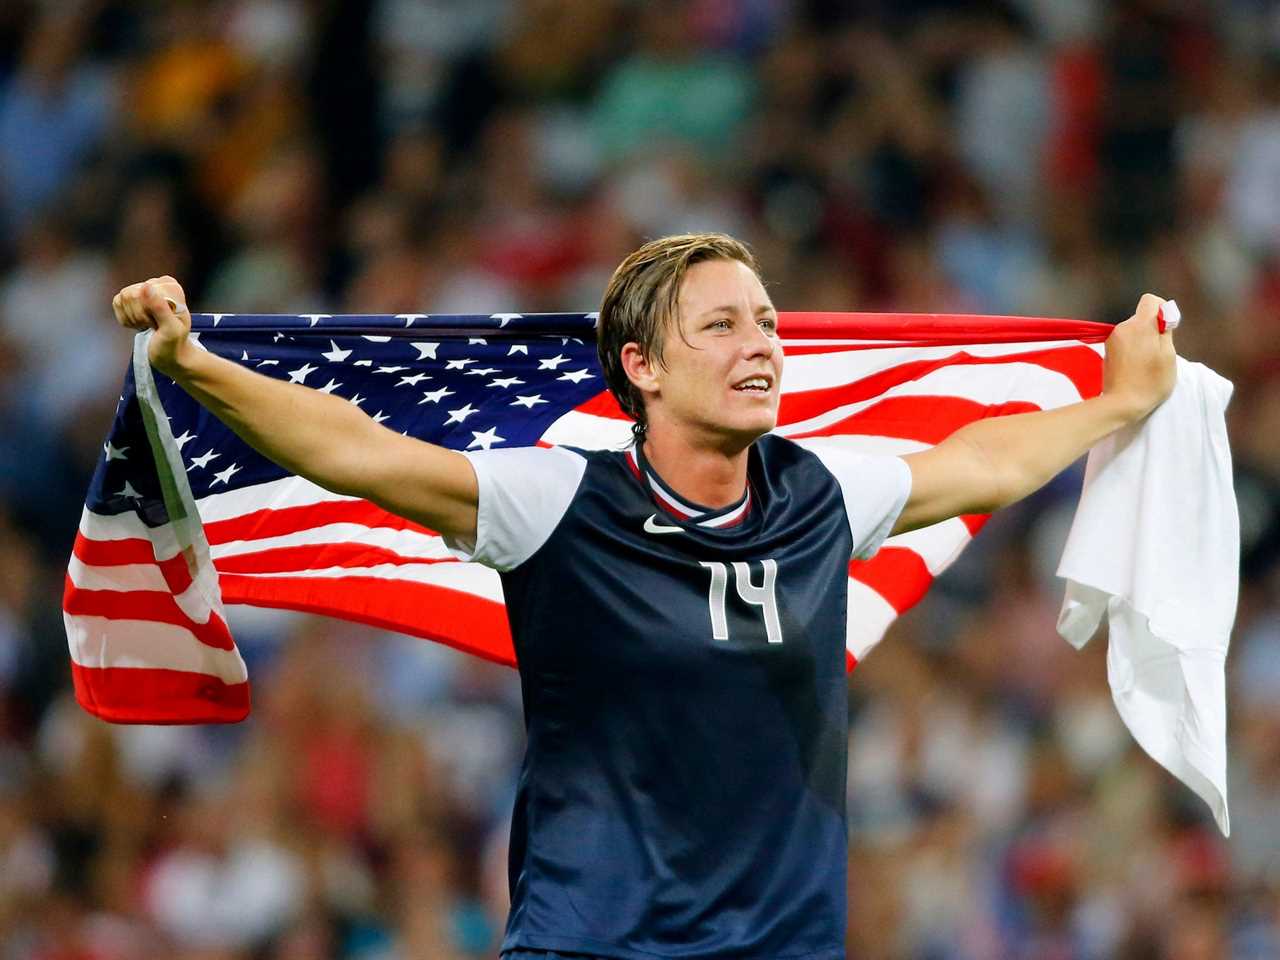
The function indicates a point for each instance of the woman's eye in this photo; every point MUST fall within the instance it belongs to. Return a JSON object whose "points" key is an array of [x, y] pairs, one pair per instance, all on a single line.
{"points": [[769, 324], [720, 325]]}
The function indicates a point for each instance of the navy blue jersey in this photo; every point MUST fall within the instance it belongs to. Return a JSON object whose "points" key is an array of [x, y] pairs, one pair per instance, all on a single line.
{"points": [[683, 672]]}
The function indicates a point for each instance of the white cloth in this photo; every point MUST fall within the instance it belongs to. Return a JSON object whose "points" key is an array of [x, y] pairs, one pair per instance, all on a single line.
{"points": [[1155, 545]]}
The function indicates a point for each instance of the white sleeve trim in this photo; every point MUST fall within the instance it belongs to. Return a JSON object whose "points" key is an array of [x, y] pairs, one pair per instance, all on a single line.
{"points": [[524, 494], [875, 488]]}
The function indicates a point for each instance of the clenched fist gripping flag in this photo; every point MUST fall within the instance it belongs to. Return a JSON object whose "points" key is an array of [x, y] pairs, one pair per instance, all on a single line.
{"points": [[182, 517]]}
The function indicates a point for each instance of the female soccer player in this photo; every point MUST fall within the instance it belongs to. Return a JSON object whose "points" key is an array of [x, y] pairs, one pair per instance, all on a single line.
{"points": [[678, 608]]}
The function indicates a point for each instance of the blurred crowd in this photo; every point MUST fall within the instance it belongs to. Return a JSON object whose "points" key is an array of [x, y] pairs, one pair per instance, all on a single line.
{"points": [[1048, 157]]}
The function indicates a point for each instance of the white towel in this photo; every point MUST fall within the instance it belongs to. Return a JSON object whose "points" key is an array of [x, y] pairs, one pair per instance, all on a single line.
{"points": [[1155, 545]]}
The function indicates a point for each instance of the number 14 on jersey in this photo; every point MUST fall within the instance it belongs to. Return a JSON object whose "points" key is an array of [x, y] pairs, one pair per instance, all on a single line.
{"points": [[762, 596]]}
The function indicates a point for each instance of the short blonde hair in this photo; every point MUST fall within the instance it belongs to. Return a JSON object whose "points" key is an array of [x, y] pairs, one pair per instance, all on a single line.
{"points": [[641, 301]]}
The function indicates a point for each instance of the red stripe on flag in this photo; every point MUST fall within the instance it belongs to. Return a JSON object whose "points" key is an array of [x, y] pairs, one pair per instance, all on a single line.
{"points": [[461, 620], [1082, 366], [133, 551], [927, 419], [144, 605], [177, 575], [897, 574], [313, 556], [934, 329], [149, 695], [112, 553], [602, 405], [276, 522], [975, 521]]}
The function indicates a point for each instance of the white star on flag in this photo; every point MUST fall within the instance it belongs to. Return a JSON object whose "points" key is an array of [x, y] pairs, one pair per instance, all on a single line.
{"points": [[128, 491], [553, 362], [408, 318], [480, 340], [577, 376], [225, 475], [482, 371], [435, 396], [505, 318], [331, 386], [336, 355], [357, 399], [268, 363], [457, 364], [414, 380], [376, 338], [315, 317], [390, 369], [244, 356], [426, 351], [486, 439], [204, 459], [183, 440], [530, 401], [457, 416], [379, 417], [363, 363], [505, 382], [300, 375], [114, 453], [518, 348]]}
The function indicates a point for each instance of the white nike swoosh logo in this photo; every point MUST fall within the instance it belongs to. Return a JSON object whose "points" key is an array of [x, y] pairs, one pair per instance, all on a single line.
{"points": [[651, 525]]}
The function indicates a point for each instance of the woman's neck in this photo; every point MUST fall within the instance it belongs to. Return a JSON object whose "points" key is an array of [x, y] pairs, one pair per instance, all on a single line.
{"points": [[704, 475]]}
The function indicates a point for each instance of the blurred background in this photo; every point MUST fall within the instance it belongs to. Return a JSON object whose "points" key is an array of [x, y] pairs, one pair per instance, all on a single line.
{"points": [[1053, 157]]}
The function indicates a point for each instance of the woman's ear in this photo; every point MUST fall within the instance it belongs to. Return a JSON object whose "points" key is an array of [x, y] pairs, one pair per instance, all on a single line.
{"points": [[640, 369]]}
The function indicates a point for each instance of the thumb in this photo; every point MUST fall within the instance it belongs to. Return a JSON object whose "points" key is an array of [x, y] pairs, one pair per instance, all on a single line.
{"points": [[163, 311]]}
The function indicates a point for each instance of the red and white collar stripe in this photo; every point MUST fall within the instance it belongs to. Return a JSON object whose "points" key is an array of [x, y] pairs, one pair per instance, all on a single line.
{"points": [[681, 509]]}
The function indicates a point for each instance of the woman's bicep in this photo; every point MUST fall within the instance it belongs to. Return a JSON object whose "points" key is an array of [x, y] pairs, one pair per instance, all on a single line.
{"points": [[422, 482]]}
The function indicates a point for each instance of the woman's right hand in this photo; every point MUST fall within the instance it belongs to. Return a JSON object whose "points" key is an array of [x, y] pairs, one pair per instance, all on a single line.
{"points": [[157, 304]]}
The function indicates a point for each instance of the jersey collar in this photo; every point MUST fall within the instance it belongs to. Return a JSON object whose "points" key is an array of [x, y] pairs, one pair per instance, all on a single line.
{"points": [[680, 508]]}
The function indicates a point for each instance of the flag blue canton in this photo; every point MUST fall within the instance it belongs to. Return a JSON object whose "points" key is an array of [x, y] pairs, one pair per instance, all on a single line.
{"points": [[465, 382]]}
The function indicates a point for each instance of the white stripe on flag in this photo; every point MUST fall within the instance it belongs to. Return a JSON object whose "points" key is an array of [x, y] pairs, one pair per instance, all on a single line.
{"points": [[937, 545], [407, 543], [100, 642], [455, 575], [869, 617], [123, 578], [272, 495], [1020, 382], [586, 430], [108, 526], [999, 384], [816, 371]]}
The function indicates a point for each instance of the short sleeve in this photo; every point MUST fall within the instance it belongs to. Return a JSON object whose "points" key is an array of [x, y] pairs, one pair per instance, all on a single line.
{"points": [[875, 489], [524, 493]]}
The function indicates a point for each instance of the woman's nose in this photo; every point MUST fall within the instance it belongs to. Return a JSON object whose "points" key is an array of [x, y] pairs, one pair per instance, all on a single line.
{"points": [[760, 343]]}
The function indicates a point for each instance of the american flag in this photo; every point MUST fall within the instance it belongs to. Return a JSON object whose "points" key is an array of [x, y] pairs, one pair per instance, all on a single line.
{"points": [[182, 517]]}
